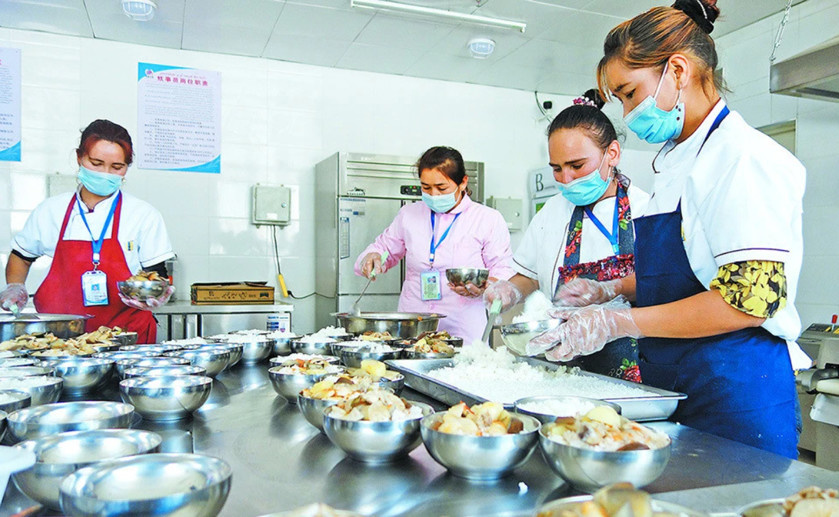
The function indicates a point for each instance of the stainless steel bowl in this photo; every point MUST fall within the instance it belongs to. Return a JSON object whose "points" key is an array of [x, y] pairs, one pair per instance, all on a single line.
{"points": [[568, 505], [214, 360], [142, 290], [63, 326], [34, 422], [589, 470], [396, 385], [516, 335], [255, 347], [25, 371], [166, 398], [289, 385], [3, 416], [353, 357], [12, 400], [282, 345], [101, 347], [410, 354], [124, 364], [150, 484], [120, 354], [125, 338], [337, 347], [763, 508], [164, 371], [236, 351], [150, 349], [12, 362], [47, 390], [480, 457], [399, 324], [564, 401], [311, 347], [312, 409], [462, 275], [280, 360], [62, 454], [375, 442], [82, 373]]}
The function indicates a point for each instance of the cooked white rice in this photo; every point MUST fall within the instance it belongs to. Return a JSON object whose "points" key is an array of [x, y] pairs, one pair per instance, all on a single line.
{"points": [[496, 375], [316, 338], [278, 334], [5, 399], [187, 341], [567, 407], [12, 383], [332, 331], [535, 308]]}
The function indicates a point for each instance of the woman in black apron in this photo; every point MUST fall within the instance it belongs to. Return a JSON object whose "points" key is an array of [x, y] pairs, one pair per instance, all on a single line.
{"points": [[719, 249], [585, 233]]}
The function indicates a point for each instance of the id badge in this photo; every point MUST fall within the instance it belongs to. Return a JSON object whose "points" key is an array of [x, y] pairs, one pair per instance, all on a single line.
{"points": [[94, 288], [430, 284]]}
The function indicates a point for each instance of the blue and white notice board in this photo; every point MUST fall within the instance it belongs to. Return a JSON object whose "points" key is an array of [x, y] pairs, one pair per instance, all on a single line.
{"points": [[178, 118], [10, 104]]}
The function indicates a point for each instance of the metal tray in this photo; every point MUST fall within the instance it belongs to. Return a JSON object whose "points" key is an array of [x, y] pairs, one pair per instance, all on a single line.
{"points": [[659, 405]]}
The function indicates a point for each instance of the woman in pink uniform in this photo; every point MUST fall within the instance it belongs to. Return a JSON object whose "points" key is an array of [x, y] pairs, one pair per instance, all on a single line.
{"points": [[447, 230]]}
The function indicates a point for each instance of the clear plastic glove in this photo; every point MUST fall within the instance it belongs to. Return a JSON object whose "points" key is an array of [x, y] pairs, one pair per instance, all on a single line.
{"points": [[580, 292], [504, 291], [372, 262], [468, 289], [14, 295], [584, 331], [150, 303]]}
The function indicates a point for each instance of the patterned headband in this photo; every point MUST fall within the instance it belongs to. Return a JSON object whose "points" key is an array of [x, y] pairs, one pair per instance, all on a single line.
{"points": [[585, 101]]}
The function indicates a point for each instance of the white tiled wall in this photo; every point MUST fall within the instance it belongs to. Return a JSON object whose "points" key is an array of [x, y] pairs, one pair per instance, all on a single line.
{"points": [[744, 57], [279, 119]]}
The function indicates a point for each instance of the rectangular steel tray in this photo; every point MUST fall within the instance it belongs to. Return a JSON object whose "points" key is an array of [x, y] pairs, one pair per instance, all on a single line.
{"points": [[659, 405]]}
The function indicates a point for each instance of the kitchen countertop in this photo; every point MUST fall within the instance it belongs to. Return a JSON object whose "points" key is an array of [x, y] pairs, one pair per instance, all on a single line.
{"points": [[281, 462]]}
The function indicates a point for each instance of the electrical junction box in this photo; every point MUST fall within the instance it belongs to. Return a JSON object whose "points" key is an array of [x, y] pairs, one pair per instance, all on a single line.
{"points": [[510, 208], [271, 205], [61, 183]]}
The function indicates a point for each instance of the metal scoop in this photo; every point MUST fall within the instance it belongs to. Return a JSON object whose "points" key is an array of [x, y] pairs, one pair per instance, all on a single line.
{"points": [[354, 310], [494, 311]]}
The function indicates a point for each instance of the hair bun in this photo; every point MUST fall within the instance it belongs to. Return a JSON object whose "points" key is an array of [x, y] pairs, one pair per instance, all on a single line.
{"points": [[703, 12], [590, 98]]}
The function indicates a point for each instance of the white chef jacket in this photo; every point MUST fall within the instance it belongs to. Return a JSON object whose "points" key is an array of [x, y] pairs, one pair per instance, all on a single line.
{"points": [[142, 232], [741, 199], [542, 249]]}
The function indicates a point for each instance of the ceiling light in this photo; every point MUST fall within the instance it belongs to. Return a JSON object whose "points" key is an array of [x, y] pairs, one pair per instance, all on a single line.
{"points": [[481, 48], [387, 5], [139, 10]]}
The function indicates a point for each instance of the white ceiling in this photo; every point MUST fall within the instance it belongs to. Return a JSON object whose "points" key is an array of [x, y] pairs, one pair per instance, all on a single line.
{"points": [[557, 53]]}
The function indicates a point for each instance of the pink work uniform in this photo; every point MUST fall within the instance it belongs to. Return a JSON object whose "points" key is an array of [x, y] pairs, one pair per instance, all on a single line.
{"points": [[479, 238]]}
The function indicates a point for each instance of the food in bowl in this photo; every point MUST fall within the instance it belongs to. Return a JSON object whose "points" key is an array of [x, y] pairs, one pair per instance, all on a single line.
{"points": [[374, 370], [603, 429], [375, 405], [336, 387], [808, 502], [315, 366], [429, 346], [616, 500], [487, 419], [371, 335], [101, 336], [47, 344]]}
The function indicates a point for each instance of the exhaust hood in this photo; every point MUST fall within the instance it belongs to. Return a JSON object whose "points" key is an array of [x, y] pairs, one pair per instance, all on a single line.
{"points": [[813, 74]]}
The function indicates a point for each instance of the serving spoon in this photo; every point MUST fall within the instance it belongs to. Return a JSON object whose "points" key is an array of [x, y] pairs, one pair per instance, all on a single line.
{"points": [[354, 310]]}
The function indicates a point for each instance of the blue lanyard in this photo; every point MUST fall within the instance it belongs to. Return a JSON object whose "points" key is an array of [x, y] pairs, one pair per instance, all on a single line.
{"points": [[613, 237], [433, 248], [717, 121], [97, 244]]}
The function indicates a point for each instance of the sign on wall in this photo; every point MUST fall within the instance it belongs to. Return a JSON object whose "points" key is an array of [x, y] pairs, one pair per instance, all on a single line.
{"points": [[178, 119], [10, 104]]}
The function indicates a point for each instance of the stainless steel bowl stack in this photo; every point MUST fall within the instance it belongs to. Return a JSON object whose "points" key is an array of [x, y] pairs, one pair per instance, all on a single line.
{"points": [[588, 469], [166, 398], [212, 359], [375, 442], [62, 454], [49, 419], [468, 275], [63, 326], [149, 484], [398, 324], [82, 373], [480, 457]]}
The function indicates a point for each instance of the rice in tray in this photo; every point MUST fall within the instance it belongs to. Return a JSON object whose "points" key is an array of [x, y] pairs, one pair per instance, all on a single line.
{"points": [[496, 375]]}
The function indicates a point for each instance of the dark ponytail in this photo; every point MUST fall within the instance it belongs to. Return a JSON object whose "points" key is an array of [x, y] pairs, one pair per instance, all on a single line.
{"points": [[586, 114]]}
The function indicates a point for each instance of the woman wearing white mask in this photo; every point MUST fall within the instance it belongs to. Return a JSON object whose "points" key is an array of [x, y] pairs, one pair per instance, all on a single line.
{"points": [[719, 249], [96, 237], [584, 233], [447, 230]]}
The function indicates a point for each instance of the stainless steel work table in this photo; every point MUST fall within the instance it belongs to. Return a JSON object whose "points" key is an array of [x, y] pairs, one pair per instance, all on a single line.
{"points": [[281, 462], [190, 318]]}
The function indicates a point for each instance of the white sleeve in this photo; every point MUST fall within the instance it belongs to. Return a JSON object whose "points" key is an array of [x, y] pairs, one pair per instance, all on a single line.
{"points": [[39, 228], [153, 245], [526, 256], [754, 208]]}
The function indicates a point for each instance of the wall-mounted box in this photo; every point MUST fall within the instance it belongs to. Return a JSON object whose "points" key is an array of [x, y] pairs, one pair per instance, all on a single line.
{"points": [[510, 208], [271, 205]]}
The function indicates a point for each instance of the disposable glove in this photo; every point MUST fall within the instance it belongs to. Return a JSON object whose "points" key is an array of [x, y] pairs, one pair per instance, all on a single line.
{"points": [[372, 261], [584, 331], [580, 292], [505, 291], [14, 294], [150, 303]]}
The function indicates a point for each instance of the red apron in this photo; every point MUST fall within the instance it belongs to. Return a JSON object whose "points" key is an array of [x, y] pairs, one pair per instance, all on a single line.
{"points": [[61, 290]]}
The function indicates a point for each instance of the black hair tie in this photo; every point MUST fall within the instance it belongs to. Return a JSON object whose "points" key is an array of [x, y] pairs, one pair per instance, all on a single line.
{"points": [[695, 10]]}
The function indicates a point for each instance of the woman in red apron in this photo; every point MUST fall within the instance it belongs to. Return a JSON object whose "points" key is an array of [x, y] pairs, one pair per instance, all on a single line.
{"points": [[84, 272], [587, 232]]}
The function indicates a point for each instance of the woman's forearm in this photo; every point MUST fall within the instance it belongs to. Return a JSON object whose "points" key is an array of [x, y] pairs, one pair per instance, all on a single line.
{"points": [[17, 270], [525, 285]]}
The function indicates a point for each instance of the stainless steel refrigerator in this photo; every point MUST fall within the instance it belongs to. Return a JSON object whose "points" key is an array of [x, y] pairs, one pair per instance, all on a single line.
{"points": [[357, 196]]}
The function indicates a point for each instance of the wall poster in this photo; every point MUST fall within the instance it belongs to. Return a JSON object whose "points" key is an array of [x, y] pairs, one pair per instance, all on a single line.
{"points": [[10, 104]]}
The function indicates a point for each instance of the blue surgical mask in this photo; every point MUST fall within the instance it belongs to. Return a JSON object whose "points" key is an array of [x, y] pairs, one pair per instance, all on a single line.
{"points": [[99, 183], [586, 190], [652, 123], [441, 203]]}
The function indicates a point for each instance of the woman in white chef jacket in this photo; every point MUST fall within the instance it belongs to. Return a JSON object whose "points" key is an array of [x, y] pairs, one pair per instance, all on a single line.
{"points": [[584, 233], [96, 237], [719, 249]]}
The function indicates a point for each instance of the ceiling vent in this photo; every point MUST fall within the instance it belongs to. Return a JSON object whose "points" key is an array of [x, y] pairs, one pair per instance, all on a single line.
{"points": [[813, 74], [139, 10]]}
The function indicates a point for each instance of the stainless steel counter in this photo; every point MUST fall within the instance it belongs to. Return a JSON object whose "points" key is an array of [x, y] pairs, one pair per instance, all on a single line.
{"points": [[281, 462], [181, 320]]}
